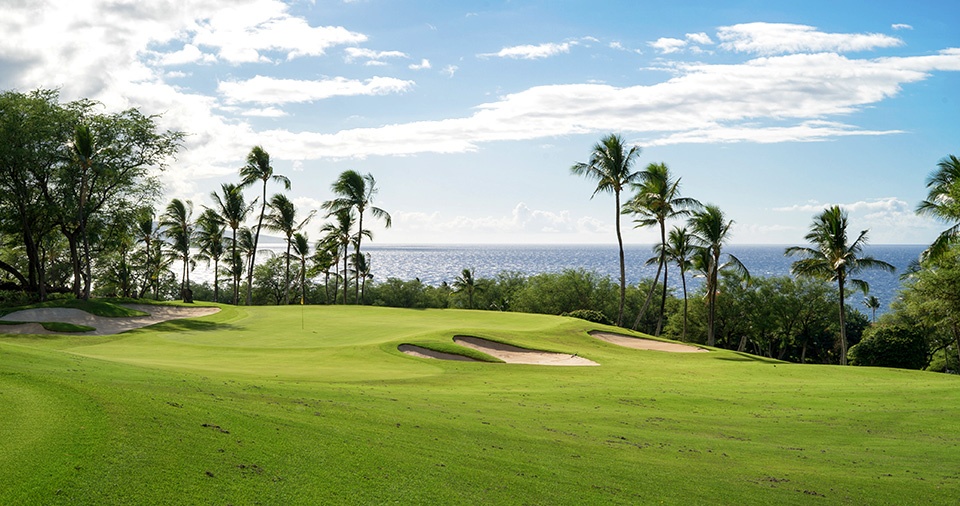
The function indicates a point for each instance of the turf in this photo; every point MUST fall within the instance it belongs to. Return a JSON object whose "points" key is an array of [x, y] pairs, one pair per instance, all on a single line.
{"points": [[315, 405]]}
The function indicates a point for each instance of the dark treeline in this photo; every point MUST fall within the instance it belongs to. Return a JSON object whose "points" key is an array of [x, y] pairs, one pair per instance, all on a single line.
{"points": [[81, 215]]}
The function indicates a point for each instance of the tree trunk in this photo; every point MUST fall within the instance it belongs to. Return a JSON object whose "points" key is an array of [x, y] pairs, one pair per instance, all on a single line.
{"points": [[683, 279], [843, 326], [286, 277], [646, 302], [663, 262], [623, 268]]}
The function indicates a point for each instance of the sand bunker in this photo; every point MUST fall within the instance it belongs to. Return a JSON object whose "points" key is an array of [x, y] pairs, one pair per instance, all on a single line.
{"points": [[103, 325], [516, 355], [646, 344], [419, 351]]}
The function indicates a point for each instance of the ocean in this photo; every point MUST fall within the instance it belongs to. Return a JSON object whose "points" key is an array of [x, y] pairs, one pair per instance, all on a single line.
{"points": [[435, 264]]}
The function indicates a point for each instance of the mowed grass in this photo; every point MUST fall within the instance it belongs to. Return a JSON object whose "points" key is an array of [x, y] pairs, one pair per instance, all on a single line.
{"points": [[315, 405]]}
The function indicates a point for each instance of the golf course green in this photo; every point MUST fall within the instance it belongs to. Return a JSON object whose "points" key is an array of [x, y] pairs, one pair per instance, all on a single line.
{"points": [[316, 405]]}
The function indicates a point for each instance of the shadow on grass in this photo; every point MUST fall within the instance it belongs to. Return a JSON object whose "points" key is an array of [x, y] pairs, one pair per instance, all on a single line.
{"points": [[746, 357], [190, 325]]}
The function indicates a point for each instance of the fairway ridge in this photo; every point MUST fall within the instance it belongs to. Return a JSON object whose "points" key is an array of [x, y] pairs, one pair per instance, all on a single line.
{"points": [[516, 355], [645, 344], [103, 325], [419, 351]]}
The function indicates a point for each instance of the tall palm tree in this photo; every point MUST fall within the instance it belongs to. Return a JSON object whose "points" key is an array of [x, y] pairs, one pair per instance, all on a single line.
{"points": [[833, 258], [356, 191], [679, 250], [610, 165], [233, 211], [361, 269], [710, 229], [283, 218], [943, 202], [466, 283], [341, 233], [301, 246], [84, 152], [258, 169], [210, 242], [657, 200], [180, 229], [325, 258]]}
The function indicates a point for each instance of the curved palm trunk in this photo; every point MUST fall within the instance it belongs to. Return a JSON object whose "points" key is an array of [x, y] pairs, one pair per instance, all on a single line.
{"points": [[346, 279], [216, 280], [256, 241], [303, 280], [663, 262], [236, 282], [843, 325], [623, 268], [683, 280], [286, 277], [712, 301]]}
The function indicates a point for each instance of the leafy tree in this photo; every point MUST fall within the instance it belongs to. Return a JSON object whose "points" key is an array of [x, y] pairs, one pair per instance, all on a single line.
{"points": [[232, 210], [898, 346], [657, 200], [357, 192], [610, 165], [834, 258], [943, 202], [258, 169], [710, 230], [177, 218]]}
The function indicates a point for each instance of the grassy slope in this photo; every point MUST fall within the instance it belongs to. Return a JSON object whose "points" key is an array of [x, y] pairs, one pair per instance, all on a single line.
{"points": [[244, 407]]}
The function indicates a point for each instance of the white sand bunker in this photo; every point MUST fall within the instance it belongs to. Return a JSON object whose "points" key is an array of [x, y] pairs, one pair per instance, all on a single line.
{"points": [[515, 355], [646, 344], [104, 325], [419, 351]]}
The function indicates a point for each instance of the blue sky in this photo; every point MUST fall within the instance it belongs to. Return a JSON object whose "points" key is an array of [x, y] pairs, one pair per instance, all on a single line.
{"points": [[469, 114]]}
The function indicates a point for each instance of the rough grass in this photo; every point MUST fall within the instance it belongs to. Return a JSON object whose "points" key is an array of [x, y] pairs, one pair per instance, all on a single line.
{"points": [[315, 405]]}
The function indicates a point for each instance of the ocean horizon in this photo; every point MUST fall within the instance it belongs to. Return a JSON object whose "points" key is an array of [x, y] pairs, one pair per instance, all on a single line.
{"points": [[434, 264]]}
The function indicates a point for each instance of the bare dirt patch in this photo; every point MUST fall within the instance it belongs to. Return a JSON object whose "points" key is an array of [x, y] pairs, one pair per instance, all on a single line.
{"points": [[103, 325], [516, 355], [640, 343]]}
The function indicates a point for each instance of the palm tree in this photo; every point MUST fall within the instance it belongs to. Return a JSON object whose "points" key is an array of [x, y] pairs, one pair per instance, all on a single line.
{"points": [[210, 241], [233, 211], [258, 168], [148, 233], [679, 250], [361, 269], [356, 191], [340, 233], [872, 303], [610, 166], [180, 229], [710, 230], [324, 258], [283, 218], [301, 246], [943, 202], [84, 151], [833, 258], [656, 201], [466, 282]]}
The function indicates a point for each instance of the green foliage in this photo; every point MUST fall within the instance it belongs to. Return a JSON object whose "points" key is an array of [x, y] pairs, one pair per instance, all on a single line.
{"points": [[567, 291], [891, 346], [590, 315]]}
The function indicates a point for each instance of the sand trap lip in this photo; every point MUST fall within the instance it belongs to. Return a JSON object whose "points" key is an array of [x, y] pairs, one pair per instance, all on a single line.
{"points": [[419, 351], [104, 325], [646, 344], [516, 355]]}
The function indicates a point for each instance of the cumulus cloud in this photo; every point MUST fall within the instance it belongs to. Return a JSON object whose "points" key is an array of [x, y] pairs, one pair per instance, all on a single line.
{"points": [[699, 38], [531, 52], [424, 64], [268, 90], [782, 38], [667, 45]]}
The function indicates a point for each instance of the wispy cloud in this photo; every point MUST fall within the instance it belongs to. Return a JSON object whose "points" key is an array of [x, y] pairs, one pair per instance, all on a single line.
{"points": [[531, 52], [901, 26], [372, 57], [268, 90], [784, 38]]}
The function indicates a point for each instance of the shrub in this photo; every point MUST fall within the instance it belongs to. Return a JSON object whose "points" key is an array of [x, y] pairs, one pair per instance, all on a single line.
{"points": [[590, 315], [898, 346]]}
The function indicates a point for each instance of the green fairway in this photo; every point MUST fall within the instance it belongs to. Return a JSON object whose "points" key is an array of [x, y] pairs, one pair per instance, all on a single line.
{"points": [[315, 405]]}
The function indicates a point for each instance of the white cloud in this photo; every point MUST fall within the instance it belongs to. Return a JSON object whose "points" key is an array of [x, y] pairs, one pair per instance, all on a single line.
{"points": [[450, 70], [901, 26], [699, 38], [267, 112], [189, 54], [781, 38], [267, 90], [424, 64], [667, 45], [373, 57], [889, 219], [530, 52]]}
